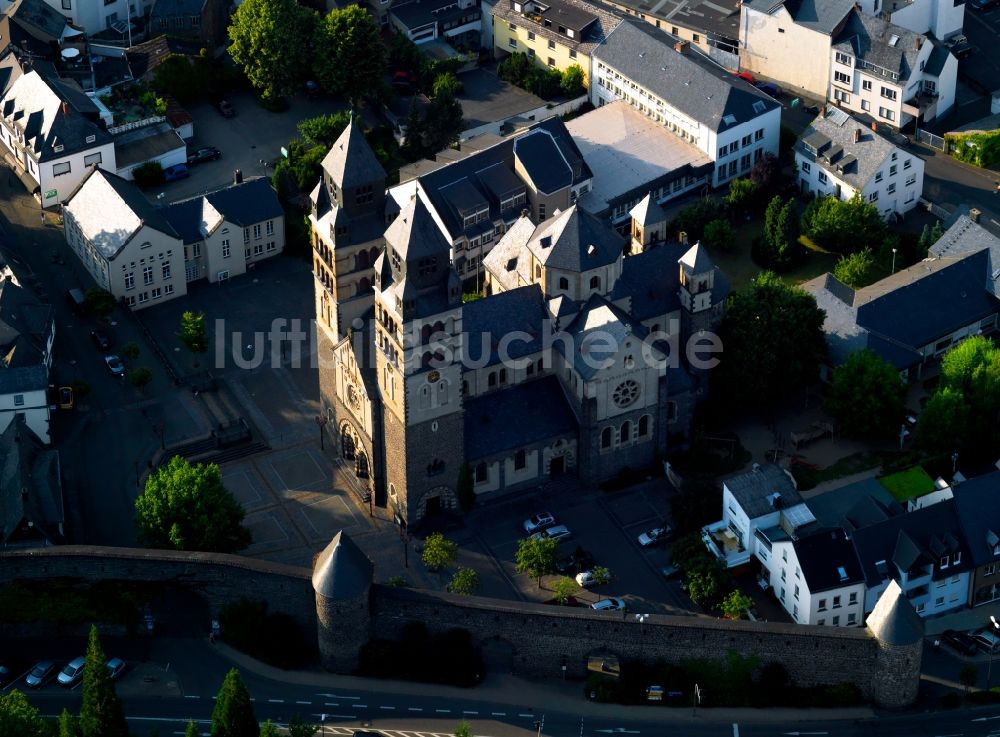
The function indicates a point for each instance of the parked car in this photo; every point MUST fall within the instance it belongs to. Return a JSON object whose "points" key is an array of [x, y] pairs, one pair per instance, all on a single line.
{"points": [[40, 673], [578, 560], [101, 339], [539, 521], [654, 536], [175, 172], [608, 605], [960, 642], [748, 77], [959, 46], [203, 154], [769, 88], [586, 578], [72, 673], [670, 571], [984, 4], [986, 641], [6, 673], [115, 365], [225, 109], [557, 533], [115, 666]]}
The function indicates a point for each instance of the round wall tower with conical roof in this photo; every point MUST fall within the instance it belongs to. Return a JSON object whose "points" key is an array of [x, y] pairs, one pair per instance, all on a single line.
{"points": [[342, 579], [900, 634]]}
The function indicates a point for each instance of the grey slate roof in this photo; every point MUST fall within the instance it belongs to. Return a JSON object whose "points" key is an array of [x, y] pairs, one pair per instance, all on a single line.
{"points": [[854, 162], [823, 16], [414, 234], [964, 236], [650, 280], [754, 490], [487, 321], [979, 515], [894, 621], [648, 212], [856, 505], [599, 332], [688, 82], [605, 20], [252, 201], [171, 8], [342, 571], [574, 240], [38, 18], [543, 162], [30, 486], [822, 555], [936, 61], [515, 418], [696, 260], [871, 39], [350, 162], [23, 379], [25, 326]]}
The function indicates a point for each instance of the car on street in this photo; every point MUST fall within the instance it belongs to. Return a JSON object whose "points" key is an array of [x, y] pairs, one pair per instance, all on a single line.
{"points": [[586, 578], [769, 88], [6, 673], [959, 46], [40, 673], [225, 109], [670, 571], [986, 641], [72, 673], [960, 642], [746, 76], [176, 172], [66, 398], [115, 365], [654, 536], [609, 605], [101, 339], [578, 560], [115, 666], [557, 533], [539, 521], [203, 154], [984, 4]]}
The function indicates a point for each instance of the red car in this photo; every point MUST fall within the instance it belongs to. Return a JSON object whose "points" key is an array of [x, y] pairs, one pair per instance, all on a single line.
{"points": [[748, 77]]}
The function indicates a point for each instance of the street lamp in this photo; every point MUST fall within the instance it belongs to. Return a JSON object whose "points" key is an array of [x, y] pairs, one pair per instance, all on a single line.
{"points": [[321, 421], [893, 260], [322, 723]]}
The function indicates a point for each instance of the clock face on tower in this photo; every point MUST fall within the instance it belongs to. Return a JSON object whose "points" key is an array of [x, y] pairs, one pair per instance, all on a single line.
{"points": [[626, 393]]}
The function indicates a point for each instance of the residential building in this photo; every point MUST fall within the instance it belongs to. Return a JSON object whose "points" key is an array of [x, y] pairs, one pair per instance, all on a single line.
{"points": [[31, 498], [555, 33], [203, 20], [728, 120], [34, 27], [940, 18], [143, 254], [975, 503], [638, 158], [892, 74], [838, 156], [965, 235], [924, 552], [713, 27], [458, 21], [791, 40], [912, 317], [51, 132]]}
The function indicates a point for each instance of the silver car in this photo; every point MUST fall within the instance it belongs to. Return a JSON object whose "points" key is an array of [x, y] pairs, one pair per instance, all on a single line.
{"points": [[40, 673], [608, 605], [72, 673]]}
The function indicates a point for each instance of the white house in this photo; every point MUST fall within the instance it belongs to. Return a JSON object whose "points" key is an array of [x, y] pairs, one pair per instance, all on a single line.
{"points": [[838, 156], [665, 79], [891, 73], [27, 332], [943, 18], [50, 130]]}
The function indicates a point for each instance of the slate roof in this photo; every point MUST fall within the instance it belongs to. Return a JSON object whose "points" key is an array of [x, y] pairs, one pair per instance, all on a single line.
{"points": [[37, 104], [504, 260], [110, 210], [350, 162], [754, 490], [936, 61], [894, 620], [910, 539], [245, 204], [823, 16], [650, 281], [856, 505], [648, 212], [964, 236], [543, 162], [979, 515], [30, 485], [870, 38], [25, 326], [822, 555], [487, 321], [604, 22], [23, 379], [479, 170], [342, 570], [599, 332], [708, 94], [171, 8], [39, 19], [832, 137], [517, 417], [696, 260], [575, 240], [414, 234], [10, 70]]}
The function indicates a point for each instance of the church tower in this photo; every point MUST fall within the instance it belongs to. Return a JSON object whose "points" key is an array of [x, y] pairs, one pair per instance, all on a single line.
{"points": [[347, 218], [418, 348], [648, 225], [700, 312]]}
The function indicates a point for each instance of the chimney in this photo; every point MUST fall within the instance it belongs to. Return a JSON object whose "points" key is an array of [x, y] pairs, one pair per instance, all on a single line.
{"points": [[857, 135], [238, 176], [822, 110], [974, 214], [875, 126], [681, 47], [65, 109], [919, 42]]}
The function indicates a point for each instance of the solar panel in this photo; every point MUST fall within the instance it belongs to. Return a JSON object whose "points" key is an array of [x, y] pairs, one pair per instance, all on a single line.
{"points": [[799, 515]]}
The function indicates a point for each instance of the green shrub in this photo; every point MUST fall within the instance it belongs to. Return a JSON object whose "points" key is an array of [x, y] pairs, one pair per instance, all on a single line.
{"points": [[148, 175]]}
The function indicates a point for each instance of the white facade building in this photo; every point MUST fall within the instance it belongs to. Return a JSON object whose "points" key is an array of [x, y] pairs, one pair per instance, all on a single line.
{"points": [[837, 156], [726, 118], [942, 18]]}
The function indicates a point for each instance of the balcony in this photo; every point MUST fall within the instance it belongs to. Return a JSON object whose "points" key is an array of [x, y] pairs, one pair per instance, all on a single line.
{"points": [[724, 544], [921, 104]]}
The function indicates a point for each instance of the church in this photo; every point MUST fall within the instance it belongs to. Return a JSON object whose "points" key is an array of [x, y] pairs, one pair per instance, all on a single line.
{"points": [[571, 362]]}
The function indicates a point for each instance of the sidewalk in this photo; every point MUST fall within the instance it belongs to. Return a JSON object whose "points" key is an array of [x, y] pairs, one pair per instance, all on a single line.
{"points": [[537, 695]]}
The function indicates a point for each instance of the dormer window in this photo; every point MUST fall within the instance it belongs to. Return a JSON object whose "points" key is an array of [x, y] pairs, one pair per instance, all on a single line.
{"points": [[945, 562], [957, 557]]}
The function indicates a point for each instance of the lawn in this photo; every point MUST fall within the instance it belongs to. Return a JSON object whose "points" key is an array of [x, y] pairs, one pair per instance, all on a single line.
{"points": [[908, 484]]}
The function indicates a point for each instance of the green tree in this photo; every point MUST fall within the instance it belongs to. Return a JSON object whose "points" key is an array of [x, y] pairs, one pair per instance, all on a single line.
{"points": [[446, 84], [415, 129], [742, 196], [67, 725], [299, 727], [177, 76], [439, 552], [856, 270], [185, 507], [101, 712], [841, 226], [464, 729], [141, 377], [536, 557], [866, 397], [703, 585], [766, 174], [563, 589], [192, 730], [18, 717], [545, 82], [735, 605], [397, 582], [193, 333], [129, 350], [601, 575], [465, 488], [941, 427], [572, 82], [324, 130], [773, 339], [272, 42], [444, 122], [233, 713], [972, 368], [99, 302], [465, 582], [719, 234], [925, 241], [269, 729], [781, 233], [349, 53], [693, 218], [515, 69]]}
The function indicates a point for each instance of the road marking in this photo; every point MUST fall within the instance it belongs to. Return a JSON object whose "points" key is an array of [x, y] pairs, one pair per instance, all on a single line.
{"points": [[736, 730], [189, 696], [414, 708], [470, 712], [276, 701], [330, 703], [359, 706], [498, 713], [526, 715], [335, 696], [619, 730], [387, 708], [985, 719], [442, 711], [308, 703]]}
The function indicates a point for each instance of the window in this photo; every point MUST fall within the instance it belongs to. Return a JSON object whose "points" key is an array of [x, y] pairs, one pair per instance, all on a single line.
{"points": [[821, 622], [563, 282], [852, 618], [841, 96], [644, 426], [822, 605], [147, 275], [747, 140], [520, 460], [541, 210], [878, 176], [842, 78], [226, 251], [511, 26], [939, 601], [595, 282], [60, 168], [269, 229], [18, 400], [852, 598], [990, 570], [67, 4], [531, 35], [168, 289], [888, 93], [271, 246], [258, 249], [823, 178], [836, 621], [843, 59], [957, 558], [732, 168], [734, 147], [722, 152], [866, 85], [157, 293], [806, 167], [866, 106], [795, 609], [130, 280], [166, 270], [143, 297], [606, 437], [695, 37], [625, 434], [552, 44], [907, 164], [891, 189], [551, 62], [482, 473], [795, 593], [759, 135], [873, 197], [246, 235], [92, 159], [512, 42], [836, 602], [256, 231], [572, 53]]}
